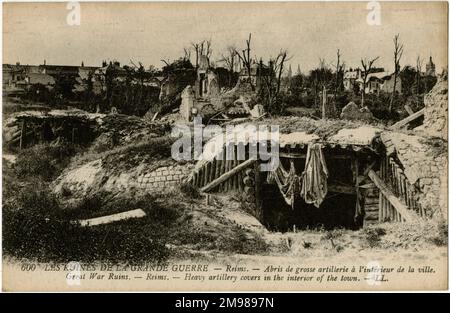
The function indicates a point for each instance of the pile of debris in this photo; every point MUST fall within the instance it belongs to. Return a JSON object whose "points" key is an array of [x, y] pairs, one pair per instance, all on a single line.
{"points": [[436, 109]]}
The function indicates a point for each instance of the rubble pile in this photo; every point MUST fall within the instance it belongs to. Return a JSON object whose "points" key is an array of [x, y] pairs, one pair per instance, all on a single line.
{"points": [[425, 165], [436, 109]]}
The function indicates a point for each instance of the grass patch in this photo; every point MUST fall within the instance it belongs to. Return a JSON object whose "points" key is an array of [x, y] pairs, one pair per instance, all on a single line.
{"points": [[373, 236], [190, 190], [45, 161], [440, 235], [155, 151], [36, 227]]}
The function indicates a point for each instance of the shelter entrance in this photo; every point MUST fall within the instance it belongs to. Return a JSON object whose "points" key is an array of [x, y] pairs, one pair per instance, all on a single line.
{"points": [[341, 206]]}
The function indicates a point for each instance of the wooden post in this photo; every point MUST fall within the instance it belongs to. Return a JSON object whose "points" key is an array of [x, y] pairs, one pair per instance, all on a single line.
{"points": [[22, 134], [223, 171], [73, 134], [195, 179], [218, 168], [324, 102], [207, 168], [355, 165], [386, 205], [380, 195], [212, 170], [200, 177], [258, 204], [236, 163]]}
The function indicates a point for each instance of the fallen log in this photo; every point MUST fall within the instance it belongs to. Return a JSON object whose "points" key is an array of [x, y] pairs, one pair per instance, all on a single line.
{"points": [[408, 119], [112, 218], [227, 175]]}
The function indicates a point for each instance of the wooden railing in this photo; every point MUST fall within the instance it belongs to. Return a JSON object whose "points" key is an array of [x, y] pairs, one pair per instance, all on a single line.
{"points": [[398, 197], [216, 168]]}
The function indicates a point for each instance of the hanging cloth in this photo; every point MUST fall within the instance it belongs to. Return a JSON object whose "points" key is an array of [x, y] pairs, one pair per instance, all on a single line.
{"points": [[314, 177], [288, 182]]}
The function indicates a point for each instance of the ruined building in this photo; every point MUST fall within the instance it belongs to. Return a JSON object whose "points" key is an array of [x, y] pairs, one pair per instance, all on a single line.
{"points": [[209, 94], [430, 68]]}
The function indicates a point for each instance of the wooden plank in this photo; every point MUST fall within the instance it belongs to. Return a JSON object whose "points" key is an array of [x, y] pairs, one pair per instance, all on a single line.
{"points": [[22, 134], [396, 203], [235, 163], [380, 195], [386, 205], [349, 190], [212, 171], [408, 119], [73, 134], [362, 178], [355, 175], [112, 218], [258, 212], [227, 175], [367, 186], [223, 171], [195, 179], [218, 168], [207, 172], [226, 182], [292, 155], [200, 177], [408, 109], [241, 178]]}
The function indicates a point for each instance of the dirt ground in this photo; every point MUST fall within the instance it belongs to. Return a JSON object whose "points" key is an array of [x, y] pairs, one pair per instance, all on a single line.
{"points": [[385, 241]]}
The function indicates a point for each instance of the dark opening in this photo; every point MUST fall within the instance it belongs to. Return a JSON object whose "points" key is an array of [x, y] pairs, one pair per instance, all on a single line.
{"points": [[337, 210]]}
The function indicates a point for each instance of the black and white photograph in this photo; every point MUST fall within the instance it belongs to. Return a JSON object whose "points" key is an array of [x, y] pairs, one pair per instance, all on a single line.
{"points": [[225, 146]]}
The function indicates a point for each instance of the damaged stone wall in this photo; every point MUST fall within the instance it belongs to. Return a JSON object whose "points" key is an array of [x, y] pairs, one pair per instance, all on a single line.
{"points": [[243, 88], [162, 178], [436, 108], [424, 160], [92, 177]]}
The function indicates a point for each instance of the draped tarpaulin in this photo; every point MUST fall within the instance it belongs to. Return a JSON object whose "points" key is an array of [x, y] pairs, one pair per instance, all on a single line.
{"points": [[288, 182], [311, 185], [314, 178]]}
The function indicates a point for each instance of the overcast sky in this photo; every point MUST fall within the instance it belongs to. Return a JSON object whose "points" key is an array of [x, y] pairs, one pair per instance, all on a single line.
{"points": [[149, 32]]}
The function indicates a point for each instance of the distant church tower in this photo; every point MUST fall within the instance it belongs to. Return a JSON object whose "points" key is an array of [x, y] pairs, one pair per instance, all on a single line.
{"points": [[289, 73], [430, 68]]}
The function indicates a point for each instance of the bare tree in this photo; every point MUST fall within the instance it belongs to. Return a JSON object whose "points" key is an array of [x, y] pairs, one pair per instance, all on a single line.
{"points": [[419, 63], [187, 53], [202, 48], [367, 66], [208, 49], [398, 52], [245, 58], [272, 80], [230, 60], [279, 66], [339, 71], [166, 62], [198, 48]]}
